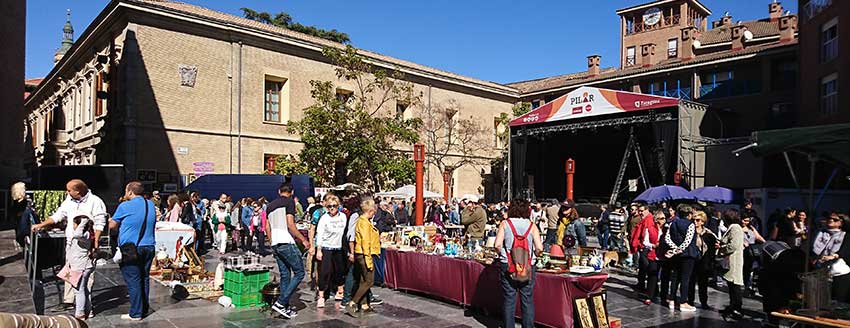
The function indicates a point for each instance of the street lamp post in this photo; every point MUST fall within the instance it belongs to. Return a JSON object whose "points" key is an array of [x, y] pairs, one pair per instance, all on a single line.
{"points": [[419, 159], [571, 170]]}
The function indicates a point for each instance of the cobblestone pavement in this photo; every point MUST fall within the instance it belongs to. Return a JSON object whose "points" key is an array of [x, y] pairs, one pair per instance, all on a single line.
{"points": [[399, 310]]}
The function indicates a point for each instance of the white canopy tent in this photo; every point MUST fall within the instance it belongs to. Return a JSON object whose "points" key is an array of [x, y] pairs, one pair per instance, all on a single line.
{"points": [[408, 191]]}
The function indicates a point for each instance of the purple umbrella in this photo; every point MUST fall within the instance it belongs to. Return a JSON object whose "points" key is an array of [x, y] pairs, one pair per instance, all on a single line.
{"points": [[663, 193], [712, 194]]}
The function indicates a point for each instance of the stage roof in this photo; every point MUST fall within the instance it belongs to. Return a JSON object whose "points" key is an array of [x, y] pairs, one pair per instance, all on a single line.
{"points": [[589, 101]]}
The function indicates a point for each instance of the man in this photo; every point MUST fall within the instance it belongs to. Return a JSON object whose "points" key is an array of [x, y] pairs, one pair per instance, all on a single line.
{"points": [[198, 210], [475, 219], [79, 200], [602, 228], [157, 202], [401, 214], [312, 265], [552, 217], [134, 218], [281, 226]]}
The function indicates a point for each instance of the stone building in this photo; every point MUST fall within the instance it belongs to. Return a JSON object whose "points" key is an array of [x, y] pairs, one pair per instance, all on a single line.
{"points": [[745, 71], [178, 89]]}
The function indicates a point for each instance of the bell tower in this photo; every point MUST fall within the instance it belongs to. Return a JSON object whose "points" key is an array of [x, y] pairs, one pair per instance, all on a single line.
{"points": [[660, 23], [67, 38]]}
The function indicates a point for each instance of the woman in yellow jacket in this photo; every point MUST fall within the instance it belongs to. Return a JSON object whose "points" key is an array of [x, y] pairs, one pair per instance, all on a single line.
{"points": [[367, 245], [568, 214]]}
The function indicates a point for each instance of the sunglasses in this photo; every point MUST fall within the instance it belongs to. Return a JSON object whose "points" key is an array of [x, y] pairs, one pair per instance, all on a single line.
{"points": [[834, 220]]}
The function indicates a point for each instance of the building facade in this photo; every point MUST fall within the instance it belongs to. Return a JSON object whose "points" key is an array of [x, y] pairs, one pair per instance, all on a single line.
{"points": [[824, 84], [12, 36], [745, 71], [180, 90]]}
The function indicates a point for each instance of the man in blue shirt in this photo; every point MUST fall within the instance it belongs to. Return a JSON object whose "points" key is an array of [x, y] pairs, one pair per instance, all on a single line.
{"points": [[135, 219]]}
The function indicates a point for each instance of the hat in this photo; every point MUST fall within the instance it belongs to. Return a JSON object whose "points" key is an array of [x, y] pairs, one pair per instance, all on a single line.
{"points": [[569, 203]]}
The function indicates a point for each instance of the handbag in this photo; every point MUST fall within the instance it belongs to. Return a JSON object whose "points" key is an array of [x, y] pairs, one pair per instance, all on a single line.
{"points": [[838, 268], [129, 252], [71, 276]]}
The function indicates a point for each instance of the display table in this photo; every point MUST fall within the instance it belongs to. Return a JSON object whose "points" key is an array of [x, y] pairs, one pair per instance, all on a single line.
{"points": [[474, 284]]}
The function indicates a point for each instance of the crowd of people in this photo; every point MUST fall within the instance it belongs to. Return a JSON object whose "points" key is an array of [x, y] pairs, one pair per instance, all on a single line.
{"points": [[678, 251]]}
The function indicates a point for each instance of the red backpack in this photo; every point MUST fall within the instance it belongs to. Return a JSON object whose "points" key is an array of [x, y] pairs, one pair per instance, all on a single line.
{"points": [[519, 256]]}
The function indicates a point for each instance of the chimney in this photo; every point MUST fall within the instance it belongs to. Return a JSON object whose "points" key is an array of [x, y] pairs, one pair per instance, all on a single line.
{"points": [[787, 28], [689, 36], [775, 10], [738, 37], [647, 54], [726, 20], [593, 62]]}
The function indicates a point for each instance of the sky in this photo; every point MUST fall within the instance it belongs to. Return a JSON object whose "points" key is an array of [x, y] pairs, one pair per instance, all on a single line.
{"points": [[494, 40]]}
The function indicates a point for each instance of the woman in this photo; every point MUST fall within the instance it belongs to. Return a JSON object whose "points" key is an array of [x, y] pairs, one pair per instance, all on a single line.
{"points": [[704, 267], [732, 247], [187, 211], [329, 238], [801, 226], [752, 247], [174, 209], [367, 246], [257, 227], [236, 223], [651, 239], [785, 229], [568, 214], [829, 247], [518, 222], [221, 222], [245, 223], [81, 263]]}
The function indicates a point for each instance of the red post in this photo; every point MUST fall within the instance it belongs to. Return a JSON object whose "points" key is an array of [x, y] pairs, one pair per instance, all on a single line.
{"points": [[447, 177], [571, 170], [419, 159]]}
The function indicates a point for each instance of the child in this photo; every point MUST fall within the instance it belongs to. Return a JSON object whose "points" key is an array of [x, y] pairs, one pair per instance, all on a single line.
{"points": [[81, 263]]}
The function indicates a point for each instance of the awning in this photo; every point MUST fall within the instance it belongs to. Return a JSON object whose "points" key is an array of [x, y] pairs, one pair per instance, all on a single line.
{"points": [[588, 101], [829, 142]]}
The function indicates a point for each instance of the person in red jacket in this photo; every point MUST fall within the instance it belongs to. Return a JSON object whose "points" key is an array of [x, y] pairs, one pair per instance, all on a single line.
{"points": [[651, 237], [637, 241]]}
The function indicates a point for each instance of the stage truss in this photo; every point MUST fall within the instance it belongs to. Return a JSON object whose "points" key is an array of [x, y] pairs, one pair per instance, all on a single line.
{"points": [[649, 118]]}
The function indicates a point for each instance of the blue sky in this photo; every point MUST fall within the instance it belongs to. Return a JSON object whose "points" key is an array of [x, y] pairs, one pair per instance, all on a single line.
{"points": [[494, 40]]}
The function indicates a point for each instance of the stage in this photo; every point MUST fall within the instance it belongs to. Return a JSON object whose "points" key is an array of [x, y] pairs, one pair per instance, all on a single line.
{"points": [[594, 127]]}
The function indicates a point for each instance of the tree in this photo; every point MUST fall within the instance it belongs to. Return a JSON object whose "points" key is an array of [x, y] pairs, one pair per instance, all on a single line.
{"points": [[452, 141], [518, 110], [288, 165], [353, 138], [284, 20]]}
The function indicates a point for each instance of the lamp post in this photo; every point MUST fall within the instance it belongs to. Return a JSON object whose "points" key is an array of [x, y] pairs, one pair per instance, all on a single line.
{"points": [[419, 159], [571, 170]]}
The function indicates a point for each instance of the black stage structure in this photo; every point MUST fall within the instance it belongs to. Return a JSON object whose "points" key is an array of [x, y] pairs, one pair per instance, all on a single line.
{"points": [[616, 138]]}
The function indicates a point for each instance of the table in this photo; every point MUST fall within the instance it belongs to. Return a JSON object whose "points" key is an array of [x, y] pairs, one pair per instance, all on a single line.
{"points": [[805, 320], [476, 285]]}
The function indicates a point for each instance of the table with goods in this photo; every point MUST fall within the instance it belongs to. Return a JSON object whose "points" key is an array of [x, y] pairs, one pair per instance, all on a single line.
{"points": [[424, 260]]}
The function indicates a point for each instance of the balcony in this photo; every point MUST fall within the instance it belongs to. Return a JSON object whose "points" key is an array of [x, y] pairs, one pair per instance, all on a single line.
{"points": [[666, 21], [814, 7], [681, 93], [729, 88]]}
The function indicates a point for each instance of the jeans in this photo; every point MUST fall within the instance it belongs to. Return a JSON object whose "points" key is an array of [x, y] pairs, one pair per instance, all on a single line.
{"points": [[685, 267], [261, 243], [510, 289], [137, 276], [603, 239], [551, 238], [581, 233], [83, 294], [380, 265], [199, 241], [289, 262]]}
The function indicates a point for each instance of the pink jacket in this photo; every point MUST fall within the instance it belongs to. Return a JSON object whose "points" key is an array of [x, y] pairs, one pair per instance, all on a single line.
{"points": [[262, 226]]}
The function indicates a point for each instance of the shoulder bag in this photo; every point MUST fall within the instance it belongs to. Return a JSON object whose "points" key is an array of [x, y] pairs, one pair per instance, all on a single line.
{"points": [[129, 252]]}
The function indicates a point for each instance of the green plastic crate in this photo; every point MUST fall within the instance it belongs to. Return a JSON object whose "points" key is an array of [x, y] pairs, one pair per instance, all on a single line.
{"points": [[246, 276]]}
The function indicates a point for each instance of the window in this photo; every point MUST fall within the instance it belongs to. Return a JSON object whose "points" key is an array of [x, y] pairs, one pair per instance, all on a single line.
{"points": [[89, 101], [672, 48], [272, 101], [100, 95], [784, 74], [829, 41], [630, 56], [343, 96], [829, 94], [400, 109]]}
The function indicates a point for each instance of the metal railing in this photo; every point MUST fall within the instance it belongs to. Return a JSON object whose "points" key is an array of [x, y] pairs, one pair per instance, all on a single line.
{"points": [[814, 7], [730, 88], [630, 60], [642, 27], [681, 93]]}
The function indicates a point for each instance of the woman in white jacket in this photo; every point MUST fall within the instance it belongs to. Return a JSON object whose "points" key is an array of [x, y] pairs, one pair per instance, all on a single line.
{"points": [[732, 246], [329, 236]]}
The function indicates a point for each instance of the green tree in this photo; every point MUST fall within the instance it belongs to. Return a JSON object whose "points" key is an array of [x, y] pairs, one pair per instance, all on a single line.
{"points": [[518, 110], [354, 138], [284, 20], [289, 164]]}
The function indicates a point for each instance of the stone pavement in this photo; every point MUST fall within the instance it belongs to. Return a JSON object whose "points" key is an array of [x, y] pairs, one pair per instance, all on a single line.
{"points": [[399, 309]]}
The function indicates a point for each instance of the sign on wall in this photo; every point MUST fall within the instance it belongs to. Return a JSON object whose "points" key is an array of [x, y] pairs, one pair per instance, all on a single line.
{"points": [[203, 168]]}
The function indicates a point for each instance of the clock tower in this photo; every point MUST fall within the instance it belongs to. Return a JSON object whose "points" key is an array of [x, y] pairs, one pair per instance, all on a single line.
{"points": [[652, 32]]}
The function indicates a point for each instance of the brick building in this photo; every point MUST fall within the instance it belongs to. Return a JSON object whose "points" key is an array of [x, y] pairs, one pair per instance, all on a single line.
{"points": [[168, 86], [822, 24], [746, 71]]}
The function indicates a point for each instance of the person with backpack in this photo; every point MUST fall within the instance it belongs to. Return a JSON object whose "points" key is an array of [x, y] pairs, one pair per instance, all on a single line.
{"points": [[518, 243]]}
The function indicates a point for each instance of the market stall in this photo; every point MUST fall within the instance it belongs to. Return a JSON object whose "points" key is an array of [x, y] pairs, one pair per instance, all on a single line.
{"points": [[477, 285]]}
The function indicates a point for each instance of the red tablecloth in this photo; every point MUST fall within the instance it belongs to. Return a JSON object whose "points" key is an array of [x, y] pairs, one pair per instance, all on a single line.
{"points": [[472, 283]]}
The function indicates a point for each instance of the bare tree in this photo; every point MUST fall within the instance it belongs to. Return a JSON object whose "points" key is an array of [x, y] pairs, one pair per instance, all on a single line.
{"points": [[451, 139]]}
